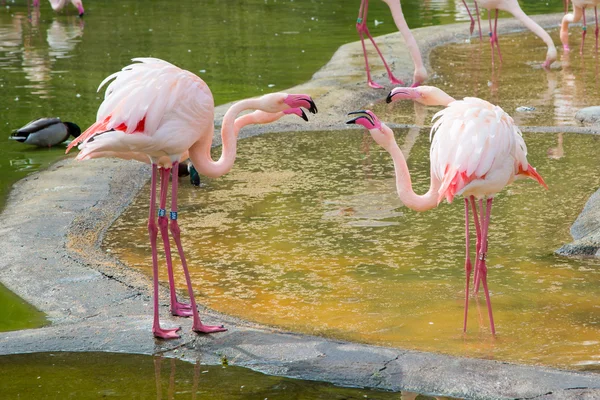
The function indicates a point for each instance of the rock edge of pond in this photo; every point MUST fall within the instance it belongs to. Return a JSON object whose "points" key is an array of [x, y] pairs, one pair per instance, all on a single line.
{"points": [[55, 220]]}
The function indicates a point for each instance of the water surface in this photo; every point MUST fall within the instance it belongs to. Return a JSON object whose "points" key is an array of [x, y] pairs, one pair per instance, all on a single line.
{"points": [[131, 376], [306, 232]]}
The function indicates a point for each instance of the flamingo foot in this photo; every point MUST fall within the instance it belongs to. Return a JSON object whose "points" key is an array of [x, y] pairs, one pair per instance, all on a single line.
{"points": [[181, 309], [375, 85], [166, 334], [415, 84], [201, 328], [395, 80]]}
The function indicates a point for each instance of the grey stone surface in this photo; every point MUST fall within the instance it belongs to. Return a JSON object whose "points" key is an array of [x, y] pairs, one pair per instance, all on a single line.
{"points": [[585, 231], [54, 222], [589, 116]]}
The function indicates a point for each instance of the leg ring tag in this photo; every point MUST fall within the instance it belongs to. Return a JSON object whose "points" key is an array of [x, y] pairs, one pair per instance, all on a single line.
{"points": [[173, 215], [162, 212]]}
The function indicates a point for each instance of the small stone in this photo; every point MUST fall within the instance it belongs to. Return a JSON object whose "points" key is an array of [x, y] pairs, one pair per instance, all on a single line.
{"points": [[589, 116]]}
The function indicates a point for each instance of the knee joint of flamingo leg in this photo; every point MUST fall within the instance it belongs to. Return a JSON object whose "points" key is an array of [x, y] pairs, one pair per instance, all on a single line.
{"points": [[174, 227], [152, 229], [482, 256]]}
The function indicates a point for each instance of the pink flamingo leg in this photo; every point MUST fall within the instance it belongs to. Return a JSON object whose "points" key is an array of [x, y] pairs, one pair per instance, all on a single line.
{"points": [[361, 27], [478, 21], [36, 3], [177, 308], [496, 36], [470, 16], [482, 262], [468, 265], [566, 2], [583, 33], [153, 233], [197, 325], [491, 34], [597, 29], [478, 221]]}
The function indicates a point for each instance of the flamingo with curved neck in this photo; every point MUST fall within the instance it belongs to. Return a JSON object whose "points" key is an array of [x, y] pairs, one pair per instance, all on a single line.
{"points": [[58, 5], [476, 151], [155, 108], [512, 6], [420, 74], [578, 13]]}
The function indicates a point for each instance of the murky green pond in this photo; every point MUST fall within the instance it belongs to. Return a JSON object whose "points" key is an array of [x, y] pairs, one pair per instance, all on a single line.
{"points": [[307, 233], [130, 376], [16, 313]]}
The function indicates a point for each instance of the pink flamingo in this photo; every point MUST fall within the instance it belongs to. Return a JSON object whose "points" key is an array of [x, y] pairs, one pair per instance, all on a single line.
{"points": [[420, 74], [58, 5], [512, 6], [579, 7], [476, 151], [157, 109]]}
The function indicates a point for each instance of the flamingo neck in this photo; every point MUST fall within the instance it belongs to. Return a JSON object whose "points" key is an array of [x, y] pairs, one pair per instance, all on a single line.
{"points": [[537, 30], [433, 96], [396, 9], [404, 185], [200, 151]]}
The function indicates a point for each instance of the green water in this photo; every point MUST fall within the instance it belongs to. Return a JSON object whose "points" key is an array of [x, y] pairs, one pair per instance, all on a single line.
{"points": [[130, 376], [306, 232], [16, 313]]}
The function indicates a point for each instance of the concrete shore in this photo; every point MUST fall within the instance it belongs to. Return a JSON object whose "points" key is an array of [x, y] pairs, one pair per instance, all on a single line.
{"points": [[55, 220]]}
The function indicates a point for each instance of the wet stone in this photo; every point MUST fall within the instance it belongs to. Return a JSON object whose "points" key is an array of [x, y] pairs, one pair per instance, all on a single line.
{"points": [[589, 116], [585, 230]]}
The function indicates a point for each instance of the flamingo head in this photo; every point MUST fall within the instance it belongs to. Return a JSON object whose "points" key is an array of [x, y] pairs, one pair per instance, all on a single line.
{"points": [[405, 93], [79, 5], [380, 132], [277, 102]]}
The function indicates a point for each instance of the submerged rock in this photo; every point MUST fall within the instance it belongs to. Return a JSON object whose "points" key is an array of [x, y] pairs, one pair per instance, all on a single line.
{"points": [[585, 231], [589, 116]]}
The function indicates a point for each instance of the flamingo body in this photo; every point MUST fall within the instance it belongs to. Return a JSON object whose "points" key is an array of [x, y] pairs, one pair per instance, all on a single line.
{"points": [[512, 6], [476, 150], [578, 13], [153, 110], [58, 5]]}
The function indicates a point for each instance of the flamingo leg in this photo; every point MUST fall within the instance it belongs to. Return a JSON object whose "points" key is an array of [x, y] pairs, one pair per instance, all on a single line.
{"points": [[177, 308], [153, 233], [197, 325], [476, 217], [597, 29], [496, 36], [361, 27], [566, 2], [491, 34], [472, 27], [36, 3], [468, 265], [482, 262], [584, 32], [478, 21]]}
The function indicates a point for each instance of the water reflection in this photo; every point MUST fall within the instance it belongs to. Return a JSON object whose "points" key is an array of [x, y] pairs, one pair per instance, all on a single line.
{"points": [[21, 44]]}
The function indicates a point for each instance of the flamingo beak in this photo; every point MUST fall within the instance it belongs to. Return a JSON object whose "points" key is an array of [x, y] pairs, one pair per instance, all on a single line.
{"points": [[365, 118], [301, 100], [402, 93], [297, 111]]}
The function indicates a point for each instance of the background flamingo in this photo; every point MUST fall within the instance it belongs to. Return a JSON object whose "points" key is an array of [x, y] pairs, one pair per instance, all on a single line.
{"points": [[420, 73], [578, 13], [155, 108], [512, 6], [58, 5], [475, 152]]}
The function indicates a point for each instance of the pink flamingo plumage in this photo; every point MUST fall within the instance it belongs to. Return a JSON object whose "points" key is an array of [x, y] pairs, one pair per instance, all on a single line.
{"points": [[420, 74], [157, 109], [512, 6], [578, 13], [58, 5], [476, 151]]}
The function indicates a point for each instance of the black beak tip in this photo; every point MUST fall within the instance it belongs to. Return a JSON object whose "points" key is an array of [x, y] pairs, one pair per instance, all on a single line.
{"points": [[389, 98], [313, 107], [304, 117]]}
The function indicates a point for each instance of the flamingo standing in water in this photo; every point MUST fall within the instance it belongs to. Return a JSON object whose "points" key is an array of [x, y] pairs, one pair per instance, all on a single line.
{"points": [[476, 151], [58, 5], [579, 7], [159, 110], [512, 6]]}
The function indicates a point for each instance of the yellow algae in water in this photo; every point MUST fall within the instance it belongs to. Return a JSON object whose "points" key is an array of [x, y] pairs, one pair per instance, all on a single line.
{"points": [[325, 247]]}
